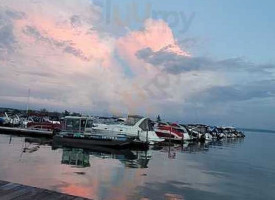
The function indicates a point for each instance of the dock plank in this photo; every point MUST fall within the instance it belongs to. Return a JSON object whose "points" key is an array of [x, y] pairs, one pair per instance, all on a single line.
{"points": [[14, 191]]}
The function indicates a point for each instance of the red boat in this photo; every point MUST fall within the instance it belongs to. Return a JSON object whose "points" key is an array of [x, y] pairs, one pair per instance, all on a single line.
{"points": [[44, 126], [42, 123], [169, 131]]}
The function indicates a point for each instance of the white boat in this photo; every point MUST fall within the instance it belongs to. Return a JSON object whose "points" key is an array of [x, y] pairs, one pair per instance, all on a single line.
{"points": [[201, 131], [5, 120], [15, 120], [78, 132], [230, 132], [10, 121], [135, 126]]}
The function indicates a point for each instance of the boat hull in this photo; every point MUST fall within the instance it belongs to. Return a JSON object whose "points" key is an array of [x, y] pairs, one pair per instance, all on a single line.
{"points": [[25, 131], [90, 143]]}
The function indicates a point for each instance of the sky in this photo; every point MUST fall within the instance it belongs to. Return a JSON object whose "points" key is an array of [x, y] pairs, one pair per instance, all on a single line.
{"points": [[190, 61]]}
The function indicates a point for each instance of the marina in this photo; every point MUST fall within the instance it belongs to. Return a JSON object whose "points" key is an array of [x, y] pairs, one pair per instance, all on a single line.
{"points": [[137, 100], [132, 132]]}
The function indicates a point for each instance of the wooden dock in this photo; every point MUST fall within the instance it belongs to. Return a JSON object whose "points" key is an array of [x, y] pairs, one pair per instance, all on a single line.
{"points": [[13, 191], [25, 131]]}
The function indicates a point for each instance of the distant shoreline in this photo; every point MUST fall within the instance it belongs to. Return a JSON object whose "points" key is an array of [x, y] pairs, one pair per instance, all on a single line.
{"points": [[60, 113], [257, 130]]}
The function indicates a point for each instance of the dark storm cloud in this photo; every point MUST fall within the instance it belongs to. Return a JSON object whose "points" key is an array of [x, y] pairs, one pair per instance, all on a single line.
{"points": [[41, 74], [7, 38], [174, 63], [34, 32], [14, 14], [76, 52], [260, 89], [65, 45], [75, 21]]}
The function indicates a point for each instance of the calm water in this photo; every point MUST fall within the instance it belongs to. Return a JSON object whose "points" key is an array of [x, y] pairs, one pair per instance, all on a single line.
{"points": [[232, 169]]}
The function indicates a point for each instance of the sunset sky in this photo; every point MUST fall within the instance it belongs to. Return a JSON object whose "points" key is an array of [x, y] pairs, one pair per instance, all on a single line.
{"points": [[206, 61]]}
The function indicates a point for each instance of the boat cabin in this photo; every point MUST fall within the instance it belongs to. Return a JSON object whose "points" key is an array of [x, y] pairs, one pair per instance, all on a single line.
{"points": [[77, 124]]}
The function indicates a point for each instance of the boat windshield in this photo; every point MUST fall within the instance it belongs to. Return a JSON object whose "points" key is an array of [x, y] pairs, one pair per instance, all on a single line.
{"points": [[89, 123], [201, 129], [72, 124], [179, 130], [146, 125], [82, 124], [132, 120]]}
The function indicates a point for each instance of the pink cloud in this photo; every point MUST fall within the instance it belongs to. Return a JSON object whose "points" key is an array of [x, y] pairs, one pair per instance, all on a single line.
{"points": [[87, 45], [80, 63], [157, 35]]}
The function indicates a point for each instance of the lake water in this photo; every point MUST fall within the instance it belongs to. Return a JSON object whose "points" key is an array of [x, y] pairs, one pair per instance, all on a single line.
{"points": [[231, 169]]}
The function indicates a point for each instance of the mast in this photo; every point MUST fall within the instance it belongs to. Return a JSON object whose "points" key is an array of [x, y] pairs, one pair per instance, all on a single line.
{"points": [[28, 101]]}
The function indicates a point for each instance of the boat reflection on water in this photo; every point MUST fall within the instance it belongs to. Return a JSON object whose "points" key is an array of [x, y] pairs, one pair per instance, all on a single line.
{"points": [[137, 159], [105, 173], [75, 157], [82, 158], [197, 147], [141, 161], [205, 146]]}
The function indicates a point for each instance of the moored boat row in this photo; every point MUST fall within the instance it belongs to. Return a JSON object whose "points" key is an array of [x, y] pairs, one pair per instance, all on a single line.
{"points": [[135, 131], [191, 132]]}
